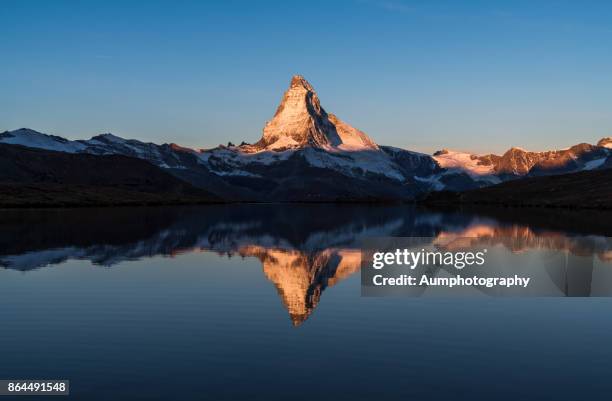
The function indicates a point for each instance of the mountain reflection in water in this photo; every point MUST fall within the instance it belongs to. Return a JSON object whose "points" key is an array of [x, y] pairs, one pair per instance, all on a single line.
{"points": [[303, 249]]}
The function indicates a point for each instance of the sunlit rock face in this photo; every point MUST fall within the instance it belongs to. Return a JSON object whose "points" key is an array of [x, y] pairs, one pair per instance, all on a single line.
{"points": [[301, 121], [605, 142], [301, 277], [518, 162]]}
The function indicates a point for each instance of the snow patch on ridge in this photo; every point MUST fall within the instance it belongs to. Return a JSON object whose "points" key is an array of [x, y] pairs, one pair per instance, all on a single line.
{"points": [[593, 164], [283, 142], [34, 139], [433, 181], [354, 163], [465, 162]]}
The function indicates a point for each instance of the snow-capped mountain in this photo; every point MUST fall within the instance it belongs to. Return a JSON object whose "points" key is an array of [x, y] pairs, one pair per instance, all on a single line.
{"points": [[307, 154], [303, 135], [517, 162], [105, 144], [301, 121], [304, 154], [34, 139]]}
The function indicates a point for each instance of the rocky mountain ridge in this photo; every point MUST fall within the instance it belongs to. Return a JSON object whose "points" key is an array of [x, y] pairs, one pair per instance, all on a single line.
{"points": [[518, 162], [307, 154]]}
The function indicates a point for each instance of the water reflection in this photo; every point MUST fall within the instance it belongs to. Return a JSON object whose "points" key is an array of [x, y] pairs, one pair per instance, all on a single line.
{"points": [[300, 277], [519, 239], [303, 249]]}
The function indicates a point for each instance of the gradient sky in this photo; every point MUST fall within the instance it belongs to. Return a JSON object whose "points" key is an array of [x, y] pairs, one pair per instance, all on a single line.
{"points": [[479, 75]]}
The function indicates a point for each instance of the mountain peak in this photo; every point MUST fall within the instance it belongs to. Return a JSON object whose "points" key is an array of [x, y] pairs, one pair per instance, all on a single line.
{"points": [[34, 139], [109, 137], [300, 81], [605, 142], [300, 121]]}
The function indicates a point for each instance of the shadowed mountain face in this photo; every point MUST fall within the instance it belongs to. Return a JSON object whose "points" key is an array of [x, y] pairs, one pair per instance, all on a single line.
{"points": [[38, 177], [586, 189], [303, 250]]}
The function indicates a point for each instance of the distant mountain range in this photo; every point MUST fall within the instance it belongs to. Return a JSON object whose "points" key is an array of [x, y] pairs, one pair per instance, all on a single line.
{"points": [[307, 154]]}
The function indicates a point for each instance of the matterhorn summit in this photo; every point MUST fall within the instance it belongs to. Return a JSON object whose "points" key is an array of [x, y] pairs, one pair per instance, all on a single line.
{"points": [[300, 121]]}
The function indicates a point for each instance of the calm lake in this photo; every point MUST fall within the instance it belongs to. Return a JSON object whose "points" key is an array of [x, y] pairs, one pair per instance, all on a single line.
{"points": [[262, 302]]}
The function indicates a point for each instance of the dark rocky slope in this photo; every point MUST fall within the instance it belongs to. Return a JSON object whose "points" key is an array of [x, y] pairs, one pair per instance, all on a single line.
{"points": [[37, 177], [586, 189]]}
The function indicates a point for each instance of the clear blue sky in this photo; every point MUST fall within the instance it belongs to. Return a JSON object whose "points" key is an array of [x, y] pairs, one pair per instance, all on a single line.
{"points": [[479, 75]]}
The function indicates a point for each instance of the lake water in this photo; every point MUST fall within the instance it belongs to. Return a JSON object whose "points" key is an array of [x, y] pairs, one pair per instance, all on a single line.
{"points": [[262, 302]]}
